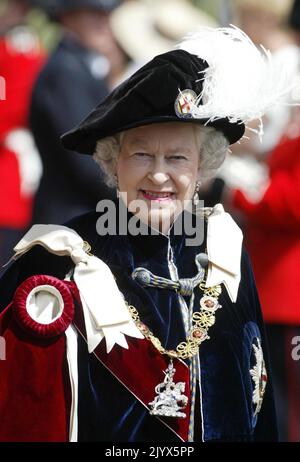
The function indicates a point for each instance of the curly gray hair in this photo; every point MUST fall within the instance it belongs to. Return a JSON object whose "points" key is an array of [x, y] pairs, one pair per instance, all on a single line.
{"points": [[213, 147]]}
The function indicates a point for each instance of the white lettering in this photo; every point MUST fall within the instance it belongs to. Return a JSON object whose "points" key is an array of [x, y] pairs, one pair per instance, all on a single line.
{"points": [[2, 89], [296, 350], [2, 349]]}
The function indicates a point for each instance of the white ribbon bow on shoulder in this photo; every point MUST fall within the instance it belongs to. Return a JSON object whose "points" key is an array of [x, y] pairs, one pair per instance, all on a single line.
{"points": [[105, 311], [224, 247]]}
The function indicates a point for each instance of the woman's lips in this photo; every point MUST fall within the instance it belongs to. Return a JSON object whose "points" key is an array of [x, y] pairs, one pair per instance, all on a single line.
{"points": [[157, 195]]}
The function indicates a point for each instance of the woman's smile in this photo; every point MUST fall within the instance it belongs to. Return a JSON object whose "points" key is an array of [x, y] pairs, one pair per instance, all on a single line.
{"points": [[158, 196]]}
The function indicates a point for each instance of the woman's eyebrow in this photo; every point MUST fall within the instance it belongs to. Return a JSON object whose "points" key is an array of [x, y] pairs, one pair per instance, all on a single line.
{"points": [[139, 140], [179, 150], [144, 142]]}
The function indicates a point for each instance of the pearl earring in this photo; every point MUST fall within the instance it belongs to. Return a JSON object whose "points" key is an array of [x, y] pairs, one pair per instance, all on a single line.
{"points": [[196, 193], [117, 186]]}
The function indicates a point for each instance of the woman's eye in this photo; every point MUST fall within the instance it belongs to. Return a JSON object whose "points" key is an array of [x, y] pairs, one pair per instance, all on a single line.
{"points": [[178, 157], [141, 154]]}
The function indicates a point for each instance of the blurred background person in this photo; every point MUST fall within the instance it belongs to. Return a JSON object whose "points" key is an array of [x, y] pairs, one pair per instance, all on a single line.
{"points": [[266, 23], [146, 28], [21, 58], [80, 71]]}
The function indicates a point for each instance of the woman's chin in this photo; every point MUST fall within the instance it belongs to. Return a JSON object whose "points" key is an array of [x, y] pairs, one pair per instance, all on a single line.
{"points": [[159, 216], [161, 219]]}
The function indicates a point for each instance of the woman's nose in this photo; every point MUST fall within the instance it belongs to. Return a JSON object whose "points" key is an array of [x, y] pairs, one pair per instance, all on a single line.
{"points": [[159, 173]]}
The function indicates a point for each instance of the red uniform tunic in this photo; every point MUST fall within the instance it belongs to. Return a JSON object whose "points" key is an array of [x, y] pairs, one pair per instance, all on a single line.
{"points": [[21, 59], [273, 235]]}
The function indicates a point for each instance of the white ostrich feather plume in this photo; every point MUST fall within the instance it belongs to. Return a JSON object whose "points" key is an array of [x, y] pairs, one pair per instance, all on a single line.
{"points": [[242, 81]]}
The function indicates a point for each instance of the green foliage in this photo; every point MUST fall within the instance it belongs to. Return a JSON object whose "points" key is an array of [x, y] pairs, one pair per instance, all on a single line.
{"points": [[48, 32], [210, 6]]}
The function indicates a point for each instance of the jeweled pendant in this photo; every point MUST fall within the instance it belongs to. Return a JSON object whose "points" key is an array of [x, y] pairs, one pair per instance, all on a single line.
{"points": [[170, 400]]}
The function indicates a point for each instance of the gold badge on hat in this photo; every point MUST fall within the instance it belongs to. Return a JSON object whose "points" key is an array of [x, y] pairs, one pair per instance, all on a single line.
{"points": [[185, 102]]}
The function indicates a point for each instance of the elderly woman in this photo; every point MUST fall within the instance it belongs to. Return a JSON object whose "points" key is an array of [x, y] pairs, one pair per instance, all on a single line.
{"points": [[129, 324]]}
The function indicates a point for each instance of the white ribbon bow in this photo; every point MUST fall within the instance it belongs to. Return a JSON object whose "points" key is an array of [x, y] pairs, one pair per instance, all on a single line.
{"points": [[224, 246], [104, 308]]}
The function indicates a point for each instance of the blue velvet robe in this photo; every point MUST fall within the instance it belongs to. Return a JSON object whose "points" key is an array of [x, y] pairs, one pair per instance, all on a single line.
{"points": [[107, 411]]}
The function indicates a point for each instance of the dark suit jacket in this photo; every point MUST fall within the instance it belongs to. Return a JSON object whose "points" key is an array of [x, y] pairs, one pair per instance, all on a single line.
{"points": [[65, 92]]}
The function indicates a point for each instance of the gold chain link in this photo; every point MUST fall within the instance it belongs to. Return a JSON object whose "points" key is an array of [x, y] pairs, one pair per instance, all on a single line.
{"points": [[202, 321]]}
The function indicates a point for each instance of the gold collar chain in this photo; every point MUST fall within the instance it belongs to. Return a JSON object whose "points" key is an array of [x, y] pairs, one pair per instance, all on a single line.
{"points": [[202, 320]]}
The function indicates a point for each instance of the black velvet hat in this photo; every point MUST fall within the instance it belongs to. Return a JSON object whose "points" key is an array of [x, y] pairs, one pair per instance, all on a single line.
{"points": [[161, 91]]}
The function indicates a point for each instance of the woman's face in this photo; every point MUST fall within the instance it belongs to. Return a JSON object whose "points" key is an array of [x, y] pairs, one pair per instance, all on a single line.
{"points": [[158, 165]]}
